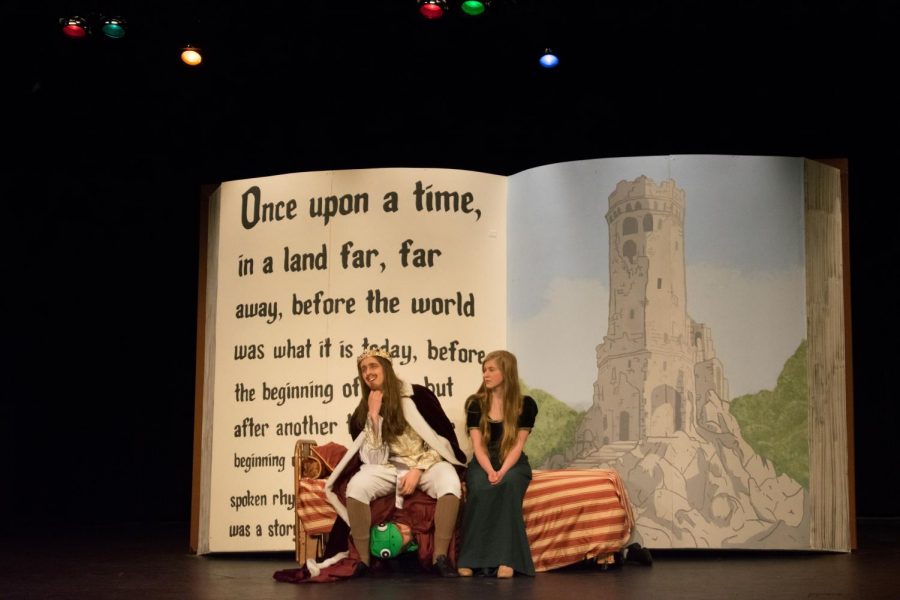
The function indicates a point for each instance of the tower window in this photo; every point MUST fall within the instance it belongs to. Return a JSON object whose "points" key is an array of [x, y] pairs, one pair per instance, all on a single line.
{"points": [[631, 314], [659, 283], [629, 226], [629, 249], [648, 222]]}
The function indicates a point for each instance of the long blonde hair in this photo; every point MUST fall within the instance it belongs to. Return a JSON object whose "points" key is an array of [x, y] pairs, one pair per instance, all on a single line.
{"points": [[393, 421], [512, 401]]}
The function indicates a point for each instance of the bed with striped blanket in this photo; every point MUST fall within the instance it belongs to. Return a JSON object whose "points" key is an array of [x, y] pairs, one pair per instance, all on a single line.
{"points": [[570, 516]]}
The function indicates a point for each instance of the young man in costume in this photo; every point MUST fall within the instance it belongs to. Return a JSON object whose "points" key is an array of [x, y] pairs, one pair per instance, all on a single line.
{"points": [[402, 441]]}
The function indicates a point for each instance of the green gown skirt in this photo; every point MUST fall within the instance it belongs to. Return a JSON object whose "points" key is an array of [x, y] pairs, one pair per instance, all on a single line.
{"points": [[493, 531]]}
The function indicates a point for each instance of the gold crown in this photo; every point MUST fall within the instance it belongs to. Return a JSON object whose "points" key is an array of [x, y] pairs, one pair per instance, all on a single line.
{"points": [[375, 351]]}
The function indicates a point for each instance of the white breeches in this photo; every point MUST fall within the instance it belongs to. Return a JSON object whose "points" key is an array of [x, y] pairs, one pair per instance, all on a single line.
{"points": [[375, 481]]}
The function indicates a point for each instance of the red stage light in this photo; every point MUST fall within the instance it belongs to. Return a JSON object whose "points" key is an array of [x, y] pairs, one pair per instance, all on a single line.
{"points": [[74, 28], [432, 9]]}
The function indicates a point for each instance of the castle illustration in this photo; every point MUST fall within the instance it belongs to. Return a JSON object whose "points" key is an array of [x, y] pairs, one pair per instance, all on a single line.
{"points": [[660, 412], [655, 361]]}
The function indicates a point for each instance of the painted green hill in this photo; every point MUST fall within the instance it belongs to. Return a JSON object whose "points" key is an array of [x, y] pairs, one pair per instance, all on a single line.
{"points": [[775, 423], [554, 430]]}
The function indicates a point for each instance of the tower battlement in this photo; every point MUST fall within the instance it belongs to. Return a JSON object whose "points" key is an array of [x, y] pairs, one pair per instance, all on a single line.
{"points": [[644, 188]]}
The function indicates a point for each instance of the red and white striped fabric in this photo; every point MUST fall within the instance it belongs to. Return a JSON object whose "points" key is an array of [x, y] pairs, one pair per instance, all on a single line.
{"points": [[316, 514], [570, 516], [574, 515]]}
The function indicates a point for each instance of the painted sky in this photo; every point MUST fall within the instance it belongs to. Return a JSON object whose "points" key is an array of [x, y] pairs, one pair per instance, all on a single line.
{"points": [[744, 255]]}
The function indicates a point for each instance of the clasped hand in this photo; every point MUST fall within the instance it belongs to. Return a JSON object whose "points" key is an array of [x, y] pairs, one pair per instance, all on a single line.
{"points": [[495, 477], [407, 484]]}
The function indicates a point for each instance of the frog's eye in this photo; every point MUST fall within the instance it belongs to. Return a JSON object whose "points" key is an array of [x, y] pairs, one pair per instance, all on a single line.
{"points": [[381, 527], [385, 553]]}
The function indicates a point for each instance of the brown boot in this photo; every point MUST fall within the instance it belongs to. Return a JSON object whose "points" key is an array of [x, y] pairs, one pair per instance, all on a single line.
{"points": [[360, 517], [443, 568], [445, 514]]}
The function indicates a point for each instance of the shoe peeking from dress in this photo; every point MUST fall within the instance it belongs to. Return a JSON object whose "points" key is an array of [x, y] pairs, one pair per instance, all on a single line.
{"points": [[635, 553]]}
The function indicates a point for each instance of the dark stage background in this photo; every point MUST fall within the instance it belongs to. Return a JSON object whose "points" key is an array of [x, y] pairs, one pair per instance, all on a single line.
{"points": [[107, 147]]}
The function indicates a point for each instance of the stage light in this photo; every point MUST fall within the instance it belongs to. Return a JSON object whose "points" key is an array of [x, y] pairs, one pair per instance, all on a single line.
{"points": [[474, 7], [432, 9], [75, 28], [191, 56], [549, 60], [113, 27]]}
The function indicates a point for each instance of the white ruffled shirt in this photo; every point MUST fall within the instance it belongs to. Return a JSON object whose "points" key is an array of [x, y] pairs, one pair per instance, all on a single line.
{"points": [[407, 451]]}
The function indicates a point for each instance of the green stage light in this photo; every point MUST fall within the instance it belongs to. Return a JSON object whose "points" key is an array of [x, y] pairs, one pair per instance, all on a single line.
{"points": [[474, 7], [113, 27]]}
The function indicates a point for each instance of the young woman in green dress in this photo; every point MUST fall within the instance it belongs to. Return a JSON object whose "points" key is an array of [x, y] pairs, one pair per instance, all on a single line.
{"points": [[498, 419]]}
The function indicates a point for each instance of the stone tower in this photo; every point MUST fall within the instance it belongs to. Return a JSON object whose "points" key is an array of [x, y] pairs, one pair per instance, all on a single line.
{"points": [[653, 355], [660, 414]]}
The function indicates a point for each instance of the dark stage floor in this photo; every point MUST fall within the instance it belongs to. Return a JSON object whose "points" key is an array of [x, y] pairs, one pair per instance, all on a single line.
{"points": [[148, 563]]}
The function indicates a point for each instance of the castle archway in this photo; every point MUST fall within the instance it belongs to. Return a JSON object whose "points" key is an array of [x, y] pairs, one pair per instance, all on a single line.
{"points": [[679, 411], [584, 444], [624, 423]]}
